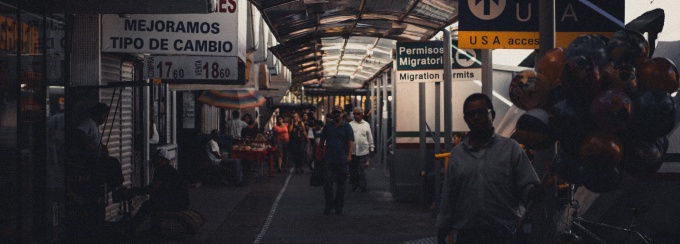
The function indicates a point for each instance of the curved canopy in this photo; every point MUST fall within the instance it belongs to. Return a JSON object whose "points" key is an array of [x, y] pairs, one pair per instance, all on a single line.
{"points": [[343, 43]]}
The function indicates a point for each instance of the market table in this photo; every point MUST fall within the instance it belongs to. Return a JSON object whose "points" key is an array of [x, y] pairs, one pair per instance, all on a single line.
{"points": [[255, 154]]}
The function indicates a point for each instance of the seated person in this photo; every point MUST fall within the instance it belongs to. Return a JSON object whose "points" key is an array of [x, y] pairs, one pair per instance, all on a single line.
{"points": [[223, 162], [168, 191]]}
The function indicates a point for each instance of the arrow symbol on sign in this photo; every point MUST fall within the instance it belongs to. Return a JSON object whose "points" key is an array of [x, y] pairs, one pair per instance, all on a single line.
{"points": [[465, 56], [487, 5]]}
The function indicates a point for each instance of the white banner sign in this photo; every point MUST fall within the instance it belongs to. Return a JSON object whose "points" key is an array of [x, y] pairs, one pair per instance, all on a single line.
{"points": [[214, 34], [410, 76], [191, 67]]}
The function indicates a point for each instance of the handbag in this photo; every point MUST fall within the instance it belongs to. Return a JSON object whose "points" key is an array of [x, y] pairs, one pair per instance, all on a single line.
{"points": [[318, 174]]}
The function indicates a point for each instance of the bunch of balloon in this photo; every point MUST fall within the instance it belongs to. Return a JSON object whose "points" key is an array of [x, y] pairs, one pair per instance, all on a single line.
{"points": [[604, 103]]}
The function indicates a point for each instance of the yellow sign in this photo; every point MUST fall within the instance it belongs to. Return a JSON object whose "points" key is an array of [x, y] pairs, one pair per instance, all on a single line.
{"points": [[497, 40], [514, 40], [562, 39]]}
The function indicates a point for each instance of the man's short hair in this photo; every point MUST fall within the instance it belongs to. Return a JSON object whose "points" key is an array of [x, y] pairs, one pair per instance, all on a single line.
{"points": [[99, 109], [235, 114], [361, 110], [477, 97]]}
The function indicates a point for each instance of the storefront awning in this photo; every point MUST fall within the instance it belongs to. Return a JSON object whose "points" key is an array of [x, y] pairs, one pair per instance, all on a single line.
{"points": [[122, 6]]}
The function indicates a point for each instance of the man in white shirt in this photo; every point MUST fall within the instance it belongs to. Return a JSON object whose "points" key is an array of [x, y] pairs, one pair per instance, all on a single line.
{"points": [[236, 125], [363, 148]]}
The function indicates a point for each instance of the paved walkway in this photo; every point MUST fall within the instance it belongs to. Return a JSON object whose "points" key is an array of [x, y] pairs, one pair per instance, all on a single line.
{"points": [[284, 208]]}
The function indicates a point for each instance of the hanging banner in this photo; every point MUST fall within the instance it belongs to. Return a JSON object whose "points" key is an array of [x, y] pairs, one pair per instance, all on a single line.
{"points": [[221, 33]]}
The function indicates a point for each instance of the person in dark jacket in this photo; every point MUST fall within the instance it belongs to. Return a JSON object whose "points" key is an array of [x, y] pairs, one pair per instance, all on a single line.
{"points": [[338, 138], [168, 191]]}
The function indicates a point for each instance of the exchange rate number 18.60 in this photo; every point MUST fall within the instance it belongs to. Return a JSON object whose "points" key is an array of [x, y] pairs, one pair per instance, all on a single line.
{"points": [[213, 70]]}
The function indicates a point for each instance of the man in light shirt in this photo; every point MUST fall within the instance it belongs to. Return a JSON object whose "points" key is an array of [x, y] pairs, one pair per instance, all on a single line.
{"points": [[363, 148]]}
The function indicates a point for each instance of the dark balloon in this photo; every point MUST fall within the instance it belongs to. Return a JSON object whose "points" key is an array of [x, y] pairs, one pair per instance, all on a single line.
{"points": [[590, 46], [658, 73], [555, 95], [653, 114], [620, 77], [533, 130], [570, 123], [611, 110], [601, 150], [644, 157], [601, 181], [550, 66], [528, 91], [567, 166], [627, 47], [581, 79]]}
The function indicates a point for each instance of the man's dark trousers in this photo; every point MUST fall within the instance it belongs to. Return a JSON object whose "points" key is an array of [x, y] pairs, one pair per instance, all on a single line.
{"points": [[335, 174], [357, 174]]}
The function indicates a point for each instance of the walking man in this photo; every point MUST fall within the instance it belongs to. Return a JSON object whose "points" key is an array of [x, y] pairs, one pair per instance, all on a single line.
{"points": [[363, 149], [338, 137], [488, 180]]}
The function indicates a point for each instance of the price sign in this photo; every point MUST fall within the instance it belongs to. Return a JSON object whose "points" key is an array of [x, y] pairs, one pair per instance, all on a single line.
{"points": [[191, 67]]}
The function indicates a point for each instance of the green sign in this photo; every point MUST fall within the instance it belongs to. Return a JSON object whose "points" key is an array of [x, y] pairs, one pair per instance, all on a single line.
{"points": [[424, 62]]}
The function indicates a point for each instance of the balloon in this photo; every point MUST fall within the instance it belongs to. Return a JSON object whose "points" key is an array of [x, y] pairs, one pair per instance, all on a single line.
{"points": [[533, 129], [611, 110], [590, 46], [658, 73], [567, 166], [653, 114], [580, 79], [601, 181], [644, 157], [676, 100], [555, 95], [601, 150], [570, 123], [550, 66], [627, 47], [620, 77], [528, 91]]}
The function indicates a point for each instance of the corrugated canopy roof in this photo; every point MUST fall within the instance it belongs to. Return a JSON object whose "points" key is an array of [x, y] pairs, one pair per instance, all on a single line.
{"points": [[344, 43]]}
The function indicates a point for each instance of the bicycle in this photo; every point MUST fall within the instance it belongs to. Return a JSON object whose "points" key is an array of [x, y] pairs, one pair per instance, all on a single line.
{"points": [[588, 228]]}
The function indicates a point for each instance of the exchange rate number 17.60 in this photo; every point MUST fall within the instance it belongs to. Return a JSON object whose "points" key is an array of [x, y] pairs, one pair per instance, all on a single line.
{"points": [[170, 73]]}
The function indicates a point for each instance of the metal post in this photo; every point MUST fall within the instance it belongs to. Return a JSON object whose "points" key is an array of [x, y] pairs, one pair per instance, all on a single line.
{"points": [[422, 116], [546, 16], [393, 110], [448, 100], [373, 109], [378, 115], [487, 73], [383, 121], [437, 136], [146, 91]]}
